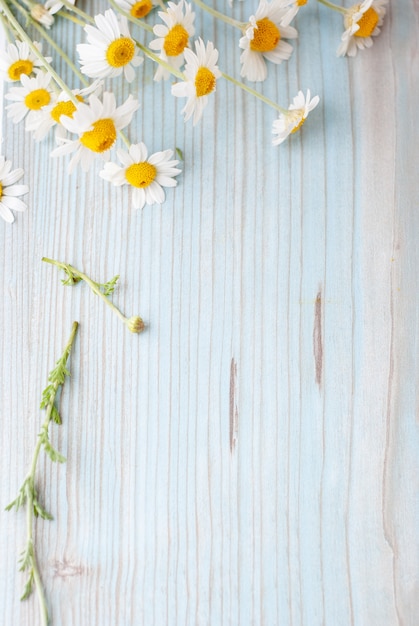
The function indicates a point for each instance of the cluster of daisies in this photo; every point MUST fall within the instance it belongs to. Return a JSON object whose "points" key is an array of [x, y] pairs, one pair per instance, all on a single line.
{"points": [[87, 122]]}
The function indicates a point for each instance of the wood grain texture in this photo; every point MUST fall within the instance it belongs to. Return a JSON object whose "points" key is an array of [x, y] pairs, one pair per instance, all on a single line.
{"points": [[253, 457]]}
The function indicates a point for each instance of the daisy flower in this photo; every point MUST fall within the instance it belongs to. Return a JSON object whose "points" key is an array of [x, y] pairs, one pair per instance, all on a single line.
{"points": [[41, 15], [110, 50], [96, 125], [263, 39], [201, 74], [53, 6], [9, 191], [136, 8], [362, 21], [173, 37], [28, 99], [292, 120], [146, 176], [293, 6], [18, 59], [50, 115]]}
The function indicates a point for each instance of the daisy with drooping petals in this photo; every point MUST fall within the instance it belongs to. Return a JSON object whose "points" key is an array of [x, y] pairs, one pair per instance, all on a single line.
{"points": [[97, 125], [292, 120], [50, 116], [136, 8], [28, 99], [293, 6], [9, 191], [362, 21], [201, 73], [41, 15], [173, 37], [110, 50], [18, 59], [146, 176], [53, 6], [263, 39]]}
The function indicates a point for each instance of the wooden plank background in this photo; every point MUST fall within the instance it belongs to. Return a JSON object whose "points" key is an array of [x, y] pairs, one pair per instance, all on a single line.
{"points": [[253, 457]]}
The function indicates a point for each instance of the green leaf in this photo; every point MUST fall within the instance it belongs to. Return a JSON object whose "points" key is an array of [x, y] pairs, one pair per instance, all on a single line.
{"points": [[109, 287], [53, 454], [27, 590], [55, 415], [26, 557]]}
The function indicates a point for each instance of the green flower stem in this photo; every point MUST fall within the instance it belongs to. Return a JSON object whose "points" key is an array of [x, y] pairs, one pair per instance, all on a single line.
{"points": [[130, 18], [134, 323], [255, 93], [43, 610], [7, 28], [331, 5], [232, 80], [220, 16], [160, 61], [77, 11], [61, 52], [22, 34], [27, 494]]}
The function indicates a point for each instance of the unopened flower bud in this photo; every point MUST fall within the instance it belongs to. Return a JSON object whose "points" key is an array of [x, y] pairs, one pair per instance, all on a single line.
{"points": [[135, 324], [41, 15]]}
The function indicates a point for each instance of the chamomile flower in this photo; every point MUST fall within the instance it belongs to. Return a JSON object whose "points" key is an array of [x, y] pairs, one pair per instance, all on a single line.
{"points": [[362, 21], [136, 8], [263, 39], [50, 116], [110, 50], [97, 125], [173, 37], [41, 15], [18, 59], [53, 6], [28, 99], [146, 175], [201, 72], [9, 192], [292, 121], [293, 6]]}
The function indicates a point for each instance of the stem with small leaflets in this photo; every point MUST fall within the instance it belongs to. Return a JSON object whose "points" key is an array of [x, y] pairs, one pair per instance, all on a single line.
{"points": [[28, 495], [134, 323]]}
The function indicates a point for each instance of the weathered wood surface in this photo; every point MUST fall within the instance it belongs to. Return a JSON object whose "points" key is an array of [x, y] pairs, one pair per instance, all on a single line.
{"points": [[253, 457]]}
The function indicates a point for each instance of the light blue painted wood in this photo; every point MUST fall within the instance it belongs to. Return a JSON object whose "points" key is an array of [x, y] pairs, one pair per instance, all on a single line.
{"points": [[252, 458]]}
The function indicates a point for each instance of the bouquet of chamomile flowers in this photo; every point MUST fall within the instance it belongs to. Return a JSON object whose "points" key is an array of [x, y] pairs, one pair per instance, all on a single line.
{"points": [[88, 123]]}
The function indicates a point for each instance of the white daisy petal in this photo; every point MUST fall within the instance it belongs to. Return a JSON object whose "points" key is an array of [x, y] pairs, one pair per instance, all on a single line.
{"points": [[173, 38], [361, 22], [9, 192], [264, 39], [292, 120], [145, 176], [96, 125], [201, 74], [110, 49]]}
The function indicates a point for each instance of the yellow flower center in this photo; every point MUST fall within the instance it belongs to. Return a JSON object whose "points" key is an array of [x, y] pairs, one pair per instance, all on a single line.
{"points": [[64, 107], [101, 138], [367, 23], [140, 174], [265, 37], [1, 191], [300, 123], [120, 52], [141, 8], [23, 66], [204, 82], [176, 41], [301, 3], [37, 99]]}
